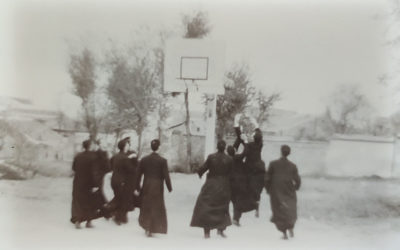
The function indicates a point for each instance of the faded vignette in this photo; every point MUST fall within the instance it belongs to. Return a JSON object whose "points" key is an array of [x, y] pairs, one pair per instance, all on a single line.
{"points": [[328, 71]]}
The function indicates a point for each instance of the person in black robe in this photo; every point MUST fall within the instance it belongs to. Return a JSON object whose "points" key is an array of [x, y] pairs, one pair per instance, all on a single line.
{"points": [[85, 184], [122, 183], [102, 165], [255, 166], [212, 206], [154, 168], [241, 200], [282, 180]]}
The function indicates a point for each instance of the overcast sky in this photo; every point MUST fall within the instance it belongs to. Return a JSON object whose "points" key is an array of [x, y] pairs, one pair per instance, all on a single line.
{"points": [[303, 49]]}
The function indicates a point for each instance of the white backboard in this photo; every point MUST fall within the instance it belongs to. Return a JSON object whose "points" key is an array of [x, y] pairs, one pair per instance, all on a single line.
{"points": [[194, 63]]}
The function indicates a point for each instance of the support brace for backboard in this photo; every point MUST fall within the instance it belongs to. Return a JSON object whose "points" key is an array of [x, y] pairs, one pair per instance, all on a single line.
{"points": [[210, 125]]}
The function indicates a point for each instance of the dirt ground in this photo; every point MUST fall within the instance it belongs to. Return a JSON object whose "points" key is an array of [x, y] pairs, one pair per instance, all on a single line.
{"points": [[333, 214]]}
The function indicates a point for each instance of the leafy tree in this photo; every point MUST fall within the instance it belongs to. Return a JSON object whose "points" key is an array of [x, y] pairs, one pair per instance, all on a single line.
{"points": [[196, 25], [237, 97], [264, 105], [346, 109], [82, 72], [132, 91]]}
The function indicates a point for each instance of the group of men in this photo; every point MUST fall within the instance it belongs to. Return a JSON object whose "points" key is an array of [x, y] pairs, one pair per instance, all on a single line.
{"points": [[238, 176], [88, 199]]}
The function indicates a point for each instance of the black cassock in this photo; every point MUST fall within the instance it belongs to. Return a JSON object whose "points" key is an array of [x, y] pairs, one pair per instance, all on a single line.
{"points": [[85, 179], [212, 206], [123, 184], [282, 181], [153, 215], [242, 201], [255, 167], [102, 167]]}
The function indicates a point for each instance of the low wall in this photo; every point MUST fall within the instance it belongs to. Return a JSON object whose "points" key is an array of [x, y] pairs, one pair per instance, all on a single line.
{"points": [[360, 156], [309, 156], [342, 156]]}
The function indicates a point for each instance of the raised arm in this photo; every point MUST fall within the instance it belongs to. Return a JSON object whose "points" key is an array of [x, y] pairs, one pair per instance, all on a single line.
{"points": [[238, 140], [166, 176]]}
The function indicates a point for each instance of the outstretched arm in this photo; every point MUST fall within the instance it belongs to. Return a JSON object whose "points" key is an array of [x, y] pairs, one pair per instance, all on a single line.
{"points": [[204, 168]]}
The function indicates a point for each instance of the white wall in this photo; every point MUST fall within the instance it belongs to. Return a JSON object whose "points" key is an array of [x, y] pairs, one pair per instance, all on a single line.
{"points": [[351, 157], [396, 158], [309, 156]]}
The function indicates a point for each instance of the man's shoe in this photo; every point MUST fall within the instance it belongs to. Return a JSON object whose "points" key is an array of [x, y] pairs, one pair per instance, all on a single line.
{"points": [[236, 223], [221, 233], [291, 234], [89, 224], [77, 225]]}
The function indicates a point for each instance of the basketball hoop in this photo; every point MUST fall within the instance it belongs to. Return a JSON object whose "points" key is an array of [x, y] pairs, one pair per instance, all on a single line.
{"points": [[200, 61]]}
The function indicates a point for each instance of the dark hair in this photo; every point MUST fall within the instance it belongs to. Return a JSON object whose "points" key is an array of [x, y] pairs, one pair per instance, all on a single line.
{"points": [[257, 135], [123, 142], [86, 144], [285, 150], [155, 144], [231, 150], [221, 145]]}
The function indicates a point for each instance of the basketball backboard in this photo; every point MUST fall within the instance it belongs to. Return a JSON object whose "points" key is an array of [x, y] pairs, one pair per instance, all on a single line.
{"points": [[196, 64]]}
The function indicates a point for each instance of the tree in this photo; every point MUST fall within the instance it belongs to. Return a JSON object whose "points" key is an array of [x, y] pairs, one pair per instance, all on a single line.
{"points": [[82, 72], [196, 26], [60, 119], [264, 105], [391, 78], [395, 121], [238, 94], [346, 110], [380, 126], [131, 89]]}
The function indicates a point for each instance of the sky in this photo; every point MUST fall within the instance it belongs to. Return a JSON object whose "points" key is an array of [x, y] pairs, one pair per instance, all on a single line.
{"points": [[303, 49]]}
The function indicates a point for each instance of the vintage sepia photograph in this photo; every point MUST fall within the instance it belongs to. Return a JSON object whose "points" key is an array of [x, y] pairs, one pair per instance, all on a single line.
{"points": [[200, 124]]}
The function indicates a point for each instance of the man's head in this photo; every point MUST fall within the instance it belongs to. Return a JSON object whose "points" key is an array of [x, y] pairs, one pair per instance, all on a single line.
{"points": [[285, 150], [231, 150], [155, 144], [221, 146], [86, 145], [124, 144], [257, 135]]}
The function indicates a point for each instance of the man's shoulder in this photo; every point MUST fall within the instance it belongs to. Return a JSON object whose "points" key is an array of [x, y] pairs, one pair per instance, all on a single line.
{"points": [[274, 162], [227, 157], [213, 155], [84, 155]]}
